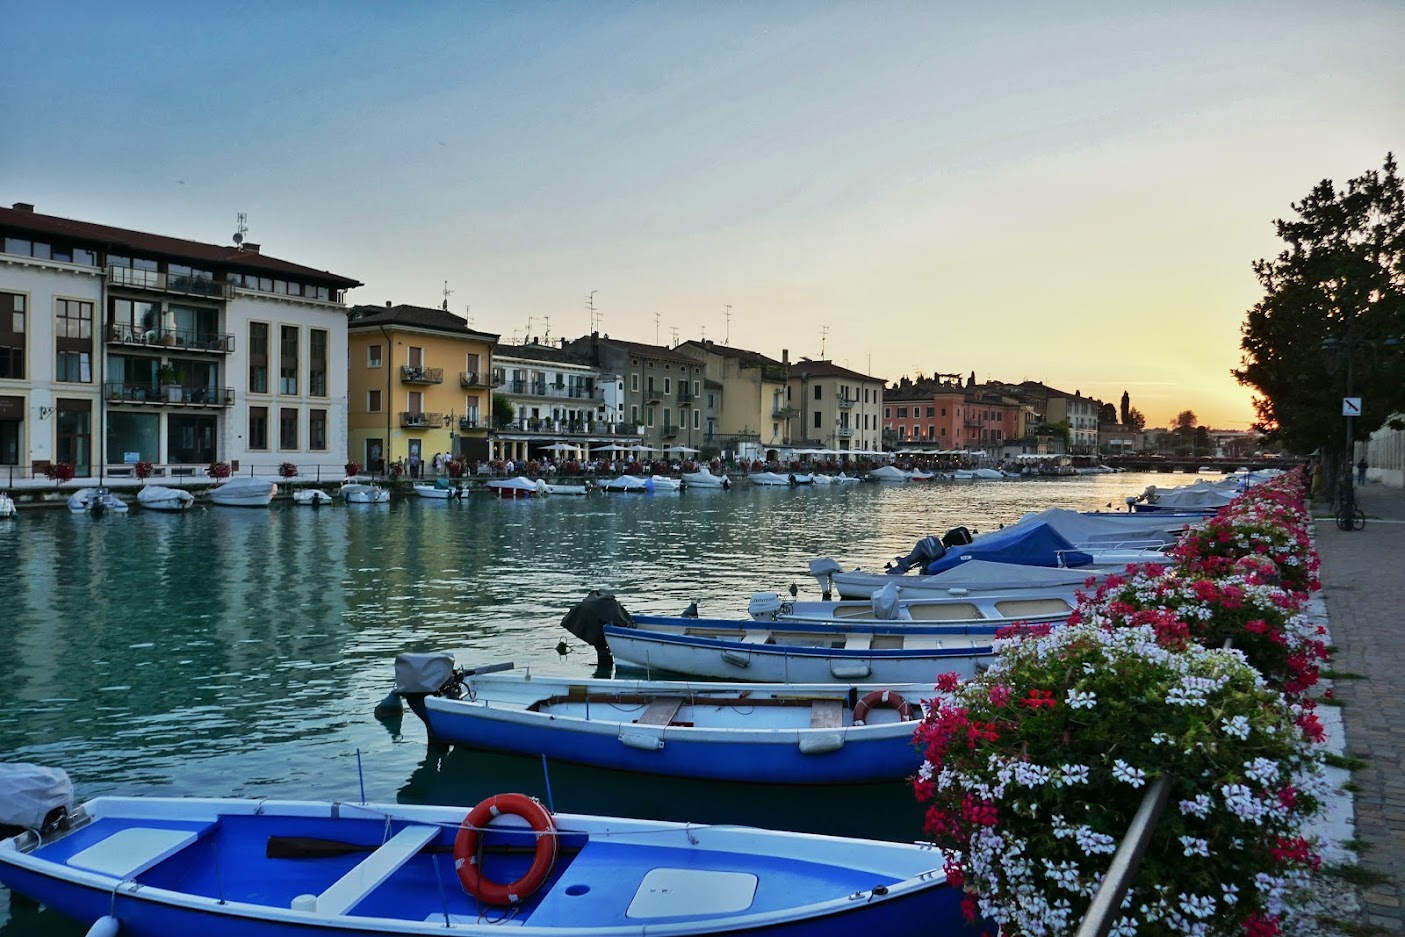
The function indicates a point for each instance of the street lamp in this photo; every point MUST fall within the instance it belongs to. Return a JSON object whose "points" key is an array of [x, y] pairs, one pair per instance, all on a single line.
{"points": [[1348, 516]]}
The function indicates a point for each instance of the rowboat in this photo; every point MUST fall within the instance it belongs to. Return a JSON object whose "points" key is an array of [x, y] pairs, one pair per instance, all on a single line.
{"points": [[559, 488], [153, 866], [311, 497], [893, 602], [882, 653], [750, 732]]}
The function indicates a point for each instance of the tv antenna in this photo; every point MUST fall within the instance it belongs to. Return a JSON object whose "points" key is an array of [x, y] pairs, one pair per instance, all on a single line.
{"points": [[727, 336], [546, 330], [674, 330], [447, 292], [466, 315], [656, 328], [590, 305], [240, 229], [824, 334]]}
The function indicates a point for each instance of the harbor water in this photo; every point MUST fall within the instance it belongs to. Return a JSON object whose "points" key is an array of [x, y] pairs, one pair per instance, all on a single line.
{"points": [[241, 652]]}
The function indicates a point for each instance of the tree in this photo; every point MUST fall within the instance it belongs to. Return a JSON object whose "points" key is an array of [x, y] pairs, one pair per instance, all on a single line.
{"points": [[1340, 277], [1184, 422], [503, 411], [1126, 409], [1107, 414], [1133, 418]]}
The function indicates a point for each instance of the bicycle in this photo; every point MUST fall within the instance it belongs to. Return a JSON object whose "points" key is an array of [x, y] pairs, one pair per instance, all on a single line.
{"points": [[1349, 516]]}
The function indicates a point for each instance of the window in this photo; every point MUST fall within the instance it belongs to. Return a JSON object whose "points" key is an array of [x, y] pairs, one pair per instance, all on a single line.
{"points": [[931, 411], [373, 356], [12, 345], [416, 359], [634, 383], [317, 362], [818, 388], [668, 385], [288, 359], [288, 428], [73, 341], [258, 427], [317, 430], [373, 401], [697, 419], [258, 357], [818, 425], [634, 414]]}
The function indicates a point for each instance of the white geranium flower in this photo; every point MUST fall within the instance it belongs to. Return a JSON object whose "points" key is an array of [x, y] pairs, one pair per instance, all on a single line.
{"points": [[1128, 774]]}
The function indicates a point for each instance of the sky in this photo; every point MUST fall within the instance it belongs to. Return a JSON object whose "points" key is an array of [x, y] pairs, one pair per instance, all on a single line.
{"points": [[1069, 192]]}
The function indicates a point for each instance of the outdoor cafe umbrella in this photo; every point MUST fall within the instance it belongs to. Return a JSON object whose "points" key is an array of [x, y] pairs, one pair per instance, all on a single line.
{"points": [[610, 448], [682, 450]]}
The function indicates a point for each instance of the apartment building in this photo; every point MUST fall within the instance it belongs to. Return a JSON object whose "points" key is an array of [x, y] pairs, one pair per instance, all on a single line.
{"points": [[662, 387], [557, 398], [118, 346], [745, 401], [835, 408]]}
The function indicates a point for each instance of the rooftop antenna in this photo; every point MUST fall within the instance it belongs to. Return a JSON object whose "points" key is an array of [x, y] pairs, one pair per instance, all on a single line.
{"points": [[447, 291], [590, 304], [240, 229], [824, 334], [704, 335], [530, 320], [674, 330], [656, 328], [546, 330], [727, 336], [466, 317]]}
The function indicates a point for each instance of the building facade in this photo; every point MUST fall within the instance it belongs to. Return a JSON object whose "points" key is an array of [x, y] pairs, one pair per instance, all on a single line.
{"points": [[558, 398], [661, 392], [746, 403], [834, 407], [119, 347], [419, 384]]}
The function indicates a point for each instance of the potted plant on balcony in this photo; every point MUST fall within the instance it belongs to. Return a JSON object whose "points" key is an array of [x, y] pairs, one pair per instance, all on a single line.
{"points": [[167, 376]]}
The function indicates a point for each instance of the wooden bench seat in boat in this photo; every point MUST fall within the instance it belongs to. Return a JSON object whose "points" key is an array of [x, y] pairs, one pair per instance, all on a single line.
{"points": [[826, 714], [349, 890], [661, 711], [131, 851]]}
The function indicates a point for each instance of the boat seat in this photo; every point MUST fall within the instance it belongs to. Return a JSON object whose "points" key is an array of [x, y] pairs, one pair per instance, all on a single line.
{"points": [[348, 891], [859, 642], [130, 852], [826, 714], [952, 611], [661, 711], [756, 637], [1014, 608]]}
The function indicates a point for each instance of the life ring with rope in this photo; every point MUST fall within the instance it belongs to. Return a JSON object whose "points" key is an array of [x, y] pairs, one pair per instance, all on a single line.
{"points": [[468, 860], [890, 699]]}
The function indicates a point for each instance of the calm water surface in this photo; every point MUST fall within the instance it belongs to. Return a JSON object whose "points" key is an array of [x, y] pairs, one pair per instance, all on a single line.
{"points": [[236, 652]]}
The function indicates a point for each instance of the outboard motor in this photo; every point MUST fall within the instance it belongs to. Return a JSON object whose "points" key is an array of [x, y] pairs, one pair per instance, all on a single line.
{"points": [[956, 537], [928, 550], [823, 570], [588, 618], [886, 606], [33, 797], [764, 606], [420, 675]]}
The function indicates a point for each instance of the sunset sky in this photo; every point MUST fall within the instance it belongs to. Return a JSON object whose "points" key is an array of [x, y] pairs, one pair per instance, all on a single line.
{"points": [[1066, 192]]}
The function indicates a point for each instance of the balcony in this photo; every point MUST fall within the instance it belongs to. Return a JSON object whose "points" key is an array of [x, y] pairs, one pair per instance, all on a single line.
{"points": [[844, 432], [409, 374], [154, 281], [785, 413], [421, 420], [686, 398], [470, 423], [652, 396], [472, 379], [844, 403], [669, 432], [146, 393], [199, 340], [553, 391]]}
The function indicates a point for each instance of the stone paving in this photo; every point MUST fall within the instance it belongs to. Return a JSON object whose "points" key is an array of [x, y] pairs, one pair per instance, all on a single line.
{"points": [[1363, 586]]}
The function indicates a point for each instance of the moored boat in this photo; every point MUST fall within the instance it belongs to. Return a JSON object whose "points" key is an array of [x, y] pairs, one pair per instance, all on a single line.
{"points": [[439, 490], [162, 498], [95, 501], [705, 479], [516, 487], [311, 497], [957, 607], [749, 732], [7, 507], [151, 866], [570, 490], [364, 493], [771, 479], [244, 492]]}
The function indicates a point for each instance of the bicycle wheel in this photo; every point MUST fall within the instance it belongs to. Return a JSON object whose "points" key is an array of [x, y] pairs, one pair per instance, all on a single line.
{"points": [[1358, 520]]}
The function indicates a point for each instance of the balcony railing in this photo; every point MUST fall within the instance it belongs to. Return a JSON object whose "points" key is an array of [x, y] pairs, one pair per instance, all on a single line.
{"points": [[156, 282], [421, 420], [844, 432], [686, 398], [785, 413], [844, 403], [410, 374], [125, 333], [472, 379], [470, 422], [187, 395], [669, 432], [558, 391]]}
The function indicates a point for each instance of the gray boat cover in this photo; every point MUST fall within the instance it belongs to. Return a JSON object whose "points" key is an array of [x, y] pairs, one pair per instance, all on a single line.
{"points": [[29, 793], [1083, 528]]}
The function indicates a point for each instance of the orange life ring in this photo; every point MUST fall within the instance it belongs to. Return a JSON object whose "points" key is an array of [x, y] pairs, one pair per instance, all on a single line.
{"points": [[889, 698], [467, 859]]}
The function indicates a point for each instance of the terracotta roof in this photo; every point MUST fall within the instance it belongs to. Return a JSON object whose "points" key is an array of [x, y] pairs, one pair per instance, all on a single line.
{"points": [[23, 221], [419, 317], [648, 351], [829, 369]]}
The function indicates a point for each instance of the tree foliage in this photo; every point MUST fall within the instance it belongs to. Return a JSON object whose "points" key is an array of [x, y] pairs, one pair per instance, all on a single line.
{"points": [[1340, 277], [1184, 422], [1126, 409], [1134, 418], [1107, 414]]}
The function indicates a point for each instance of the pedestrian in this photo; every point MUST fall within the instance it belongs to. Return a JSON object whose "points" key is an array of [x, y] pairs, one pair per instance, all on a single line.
{"points": [[414, 465], [438, 464], [1361, 471]]}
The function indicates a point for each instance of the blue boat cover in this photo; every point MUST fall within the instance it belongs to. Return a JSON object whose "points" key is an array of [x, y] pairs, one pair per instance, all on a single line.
{"points": [[1022, 544]]}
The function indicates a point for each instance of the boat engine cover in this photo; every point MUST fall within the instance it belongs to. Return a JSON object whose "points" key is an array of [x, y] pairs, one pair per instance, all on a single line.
{"points": [[423, 673], [30, 794], [587, 620]]}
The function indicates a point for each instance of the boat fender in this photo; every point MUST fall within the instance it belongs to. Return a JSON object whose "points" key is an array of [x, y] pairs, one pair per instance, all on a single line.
{"points": [[819, 743], [467, 860], [735, 659], [849, 670], [642, 741], [105, 926], [882, 698]]}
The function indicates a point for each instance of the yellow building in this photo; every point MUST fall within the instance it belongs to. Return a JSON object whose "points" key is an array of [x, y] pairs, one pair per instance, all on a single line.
{"points": [[418, 384]]}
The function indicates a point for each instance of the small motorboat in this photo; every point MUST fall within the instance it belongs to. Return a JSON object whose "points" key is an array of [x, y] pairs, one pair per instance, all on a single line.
{"points": [[770, 479], [162, 498], [748, 732], [664, 483], [440, 490], [577, 490], [362, 493], [705, 479], [631, 483], [95, 501], [311, 497], [889, 473], [244, 492], [516, 487], [154, 866], [7, 507]]}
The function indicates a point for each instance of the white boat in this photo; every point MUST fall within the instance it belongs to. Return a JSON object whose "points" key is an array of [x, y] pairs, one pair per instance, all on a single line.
{"points": [[970, 578], [842, 479], [629, 483], [153, 866], [162, 498], [362, 493], [311, 497], [705, 479], [516, 487], [772, 733], [955, 606], [7, 507], [889, 473], [770, 479], [439, 490], [95, 501], [917, 475], [664, 483], [569, 490], [244, 492]]}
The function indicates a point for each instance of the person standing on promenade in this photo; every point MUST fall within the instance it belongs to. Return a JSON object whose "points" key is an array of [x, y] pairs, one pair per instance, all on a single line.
{"points": [[1361, 471]]}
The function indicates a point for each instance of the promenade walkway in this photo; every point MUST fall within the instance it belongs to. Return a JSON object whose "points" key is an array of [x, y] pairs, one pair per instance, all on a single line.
{"points": [[1363, 585]]}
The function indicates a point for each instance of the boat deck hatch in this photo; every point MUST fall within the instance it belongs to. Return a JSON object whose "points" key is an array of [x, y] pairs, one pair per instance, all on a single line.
{"points": [[683, 892]]}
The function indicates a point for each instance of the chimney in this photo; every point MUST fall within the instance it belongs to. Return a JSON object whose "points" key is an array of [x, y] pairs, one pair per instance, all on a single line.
{"points": [[785, 357], [387, 304], [250, 246], [24, 206]]}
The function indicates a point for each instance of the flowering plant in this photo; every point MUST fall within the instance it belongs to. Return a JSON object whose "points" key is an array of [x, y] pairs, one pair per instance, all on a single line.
{"points": [[1268, 521], [60, 472], [1034, 770], [143, 469], [353, 469], [288, 470], [218, 470]]}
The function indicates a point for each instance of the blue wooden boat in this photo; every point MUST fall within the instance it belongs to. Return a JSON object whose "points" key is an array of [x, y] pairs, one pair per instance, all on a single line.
{"points": [[153, 867], [751, 732]]}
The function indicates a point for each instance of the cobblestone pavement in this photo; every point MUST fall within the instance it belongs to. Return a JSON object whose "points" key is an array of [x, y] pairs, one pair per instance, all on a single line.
{"points": [[1363, 585]]}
